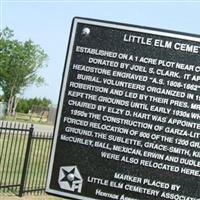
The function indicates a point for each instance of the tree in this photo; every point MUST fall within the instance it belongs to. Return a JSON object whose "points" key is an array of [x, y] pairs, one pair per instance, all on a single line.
{"points": [[25, 105], [19, 64]]}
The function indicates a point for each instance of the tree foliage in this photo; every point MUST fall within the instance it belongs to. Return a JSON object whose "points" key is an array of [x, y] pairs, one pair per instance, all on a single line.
{"points": [[19, 64], [1, 98], [26, 105]]}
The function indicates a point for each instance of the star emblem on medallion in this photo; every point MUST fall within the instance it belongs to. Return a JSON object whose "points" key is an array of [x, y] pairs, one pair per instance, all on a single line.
{"points": [[69, 176], [70, 179]]}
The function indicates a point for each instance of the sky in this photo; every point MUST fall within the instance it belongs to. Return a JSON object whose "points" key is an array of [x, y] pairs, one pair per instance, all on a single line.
{"points": [[48, 24]]}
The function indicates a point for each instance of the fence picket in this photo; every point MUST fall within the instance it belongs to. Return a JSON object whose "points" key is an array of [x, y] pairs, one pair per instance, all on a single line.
{"points": [[24, 156]]}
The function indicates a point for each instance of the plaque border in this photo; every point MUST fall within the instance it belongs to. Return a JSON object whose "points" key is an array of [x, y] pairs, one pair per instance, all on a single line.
{"points": [[101, 23]]}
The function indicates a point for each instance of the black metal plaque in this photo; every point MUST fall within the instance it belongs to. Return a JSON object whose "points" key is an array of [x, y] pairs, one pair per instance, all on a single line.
{"points": [[128, 122]]}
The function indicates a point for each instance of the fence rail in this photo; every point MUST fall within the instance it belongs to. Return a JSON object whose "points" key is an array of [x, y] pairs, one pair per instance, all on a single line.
{"points": [[24, 156]]}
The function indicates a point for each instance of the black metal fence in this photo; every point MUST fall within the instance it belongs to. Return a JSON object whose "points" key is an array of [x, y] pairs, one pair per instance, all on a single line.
{"points": [[24, 157]]}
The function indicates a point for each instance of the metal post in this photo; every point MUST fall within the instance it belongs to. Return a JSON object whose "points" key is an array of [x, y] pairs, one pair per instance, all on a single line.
{"points": [[21, 189]]}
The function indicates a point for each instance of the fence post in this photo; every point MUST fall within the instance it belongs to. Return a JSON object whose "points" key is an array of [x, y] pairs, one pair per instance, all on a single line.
{"points": [[21, 189]]}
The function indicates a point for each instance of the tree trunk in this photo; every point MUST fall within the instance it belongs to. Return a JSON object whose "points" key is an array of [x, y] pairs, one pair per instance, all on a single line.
{"points": [[9, 105], [15, 106], [10, 101]]}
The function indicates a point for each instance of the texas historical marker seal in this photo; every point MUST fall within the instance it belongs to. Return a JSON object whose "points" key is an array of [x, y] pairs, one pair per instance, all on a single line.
{"points": [[128, 121]]}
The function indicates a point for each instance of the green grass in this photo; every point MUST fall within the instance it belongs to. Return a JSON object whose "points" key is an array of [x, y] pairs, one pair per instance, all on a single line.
{"points": [[23, 117], [31, 117], [12, 155], [32, 197]]}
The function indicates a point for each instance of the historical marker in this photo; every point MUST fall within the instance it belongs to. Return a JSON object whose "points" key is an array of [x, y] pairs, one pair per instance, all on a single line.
{"points": [[128, 123]]}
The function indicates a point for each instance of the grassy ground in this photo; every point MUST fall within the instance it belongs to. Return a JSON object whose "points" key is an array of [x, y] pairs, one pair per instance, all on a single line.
{"points": [[31, 197], [29, 118]]}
